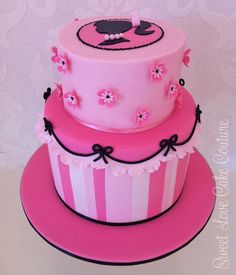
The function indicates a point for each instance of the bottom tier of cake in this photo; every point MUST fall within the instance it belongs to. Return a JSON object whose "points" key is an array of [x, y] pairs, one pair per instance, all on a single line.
{"points": [[100, 195]]}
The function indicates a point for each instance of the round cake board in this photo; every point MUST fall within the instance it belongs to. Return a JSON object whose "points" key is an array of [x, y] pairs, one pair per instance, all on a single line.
{"points": [[116, 245]]}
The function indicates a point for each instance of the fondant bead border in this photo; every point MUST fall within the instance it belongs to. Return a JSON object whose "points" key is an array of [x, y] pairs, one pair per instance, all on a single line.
{"points": [[105, 152]]}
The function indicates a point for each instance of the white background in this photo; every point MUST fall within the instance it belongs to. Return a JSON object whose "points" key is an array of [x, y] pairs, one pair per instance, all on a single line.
{"points": [[28, 29]]}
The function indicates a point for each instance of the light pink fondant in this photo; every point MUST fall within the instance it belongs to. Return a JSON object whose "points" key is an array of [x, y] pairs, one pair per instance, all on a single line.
{"points": [[118, 197], [66, 183], [56, 172], [140, 196], [99, 187], [78, 185], [90, 193], [126, 71], [156, 188], [135, 19]]}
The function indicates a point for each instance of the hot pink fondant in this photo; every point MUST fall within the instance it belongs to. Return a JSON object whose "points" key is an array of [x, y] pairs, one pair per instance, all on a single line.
{"points": [[128, 72]]}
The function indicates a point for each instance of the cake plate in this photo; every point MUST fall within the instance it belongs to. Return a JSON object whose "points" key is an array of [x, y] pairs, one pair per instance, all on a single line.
{"points": [[116, 245]]}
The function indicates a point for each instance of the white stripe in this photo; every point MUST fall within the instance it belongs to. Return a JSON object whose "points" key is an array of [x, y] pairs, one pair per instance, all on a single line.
{"points": [[56, 172], [118, 197], [140, 193], [90, 193], [78, 188], [186, 165], [170, 179]]}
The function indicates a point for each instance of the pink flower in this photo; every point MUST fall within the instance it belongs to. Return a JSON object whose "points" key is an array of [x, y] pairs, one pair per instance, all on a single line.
{"points": [[61, 60], [172, 89], [141, 116], [186, 58], [107, 97], [59, 90], [179, 98], [158, 71], [71, 99]]}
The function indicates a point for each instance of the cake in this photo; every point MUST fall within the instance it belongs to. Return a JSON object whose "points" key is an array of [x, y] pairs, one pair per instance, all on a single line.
{"points": [[120, 127]]}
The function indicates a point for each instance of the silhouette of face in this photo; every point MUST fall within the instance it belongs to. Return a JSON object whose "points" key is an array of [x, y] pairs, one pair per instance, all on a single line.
{"points": [[119, 34]]}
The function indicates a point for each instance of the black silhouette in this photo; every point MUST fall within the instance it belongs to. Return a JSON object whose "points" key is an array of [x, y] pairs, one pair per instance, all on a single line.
{"points": [[120, 26]]}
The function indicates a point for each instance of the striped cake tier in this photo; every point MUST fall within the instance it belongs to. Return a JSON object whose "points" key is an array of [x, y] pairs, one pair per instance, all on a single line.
{"points": [[98, 194]]}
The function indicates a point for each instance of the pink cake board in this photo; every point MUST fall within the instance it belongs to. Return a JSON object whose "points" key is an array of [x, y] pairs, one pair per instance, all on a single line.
{"points": [[116, 245]]}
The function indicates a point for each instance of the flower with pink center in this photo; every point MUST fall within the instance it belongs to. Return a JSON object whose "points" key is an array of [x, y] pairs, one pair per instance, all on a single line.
{"points": [[71, 99], [172, 89], [186, 58], [61, 60], [141, 116], [158, 71], [107, 97]]}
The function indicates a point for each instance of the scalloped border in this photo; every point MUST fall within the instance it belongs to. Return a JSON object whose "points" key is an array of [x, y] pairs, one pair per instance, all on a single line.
{"points": [[118, 169]]}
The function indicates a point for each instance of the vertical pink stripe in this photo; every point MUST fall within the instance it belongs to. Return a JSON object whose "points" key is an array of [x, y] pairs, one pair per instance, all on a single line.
{"points": [[118, 197], [180, 177], [99, 187], [65, 178], [156, 189], [90, 193]]}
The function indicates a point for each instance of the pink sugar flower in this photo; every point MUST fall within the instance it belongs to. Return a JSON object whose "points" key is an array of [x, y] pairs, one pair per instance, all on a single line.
{"points": [[61, 60], [158, 71], [186, 58], [107, 97], [179, 99], [71, 99], [59, 90], [141, 116], [172, 89]]}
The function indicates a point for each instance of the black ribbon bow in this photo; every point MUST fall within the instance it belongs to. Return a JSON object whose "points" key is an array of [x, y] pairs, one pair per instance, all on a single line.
{"points": [[102, 151], [169, 144], [48, 126], [198, 113], [47, 94]]}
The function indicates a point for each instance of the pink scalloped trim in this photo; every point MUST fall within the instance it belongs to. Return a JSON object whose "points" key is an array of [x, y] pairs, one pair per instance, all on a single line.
{"points": [[118, 169]]}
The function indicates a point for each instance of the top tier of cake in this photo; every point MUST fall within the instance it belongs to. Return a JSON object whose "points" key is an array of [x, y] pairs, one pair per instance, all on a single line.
{"points": [[120, 74]]}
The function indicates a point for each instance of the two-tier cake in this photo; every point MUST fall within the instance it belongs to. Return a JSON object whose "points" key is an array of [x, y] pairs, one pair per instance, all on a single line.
{"points": [[120, 130], [120, 127]]}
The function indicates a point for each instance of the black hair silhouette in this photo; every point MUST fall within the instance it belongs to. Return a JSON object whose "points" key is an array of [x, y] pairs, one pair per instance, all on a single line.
{"points": [[120, 26]]}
